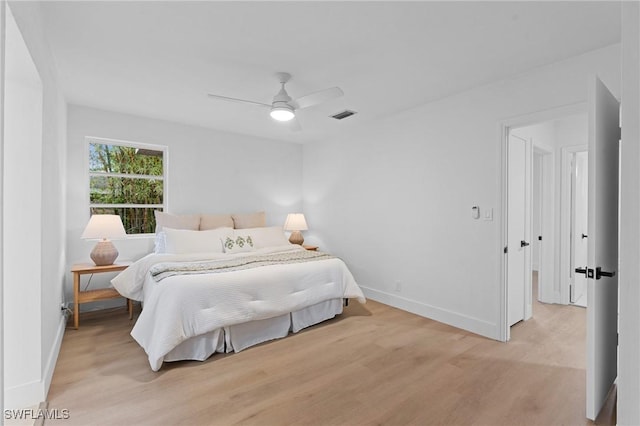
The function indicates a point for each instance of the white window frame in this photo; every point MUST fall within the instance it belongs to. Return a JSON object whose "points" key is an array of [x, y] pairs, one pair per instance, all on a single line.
{"points": [[140, 145]]}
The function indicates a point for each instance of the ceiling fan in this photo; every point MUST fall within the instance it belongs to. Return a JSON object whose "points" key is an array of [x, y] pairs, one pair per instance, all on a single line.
{"points": [[283, 107]]}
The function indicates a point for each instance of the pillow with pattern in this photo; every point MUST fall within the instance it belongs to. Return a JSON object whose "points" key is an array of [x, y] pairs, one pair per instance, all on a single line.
{"points": [[238, 244], [269, 236]]}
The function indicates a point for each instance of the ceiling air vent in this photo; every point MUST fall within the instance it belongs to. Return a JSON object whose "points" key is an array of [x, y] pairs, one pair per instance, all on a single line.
{"points": [[342, 115]]}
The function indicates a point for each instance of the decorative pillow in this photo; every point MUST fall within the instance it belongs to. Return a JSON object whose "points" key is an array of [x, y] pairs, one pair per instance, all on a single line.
{"points": [[237, 243], [184, 241], [184, 221], [213, 221], [249, 220], [265, 236]]}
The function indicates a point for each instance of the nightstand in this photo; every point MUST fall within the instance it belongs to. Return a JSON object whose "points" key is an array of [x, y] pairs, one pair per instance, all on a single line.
{"points": [[94, 295], [310, 248]]}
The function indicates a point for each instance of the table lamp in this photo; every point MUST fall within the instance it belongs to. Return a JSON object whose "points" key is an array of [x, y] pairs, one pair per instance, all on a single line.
{"points": [[104, 227], [295, 222]]}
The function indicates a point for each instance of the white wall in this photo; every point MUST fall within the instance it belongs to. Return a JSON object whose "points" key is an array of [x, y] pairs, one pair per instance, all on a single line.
{"points": [[541, 134], [394, 198], [208, 172], [33, 248], [629, 281], [3, 8], [22, 227]]}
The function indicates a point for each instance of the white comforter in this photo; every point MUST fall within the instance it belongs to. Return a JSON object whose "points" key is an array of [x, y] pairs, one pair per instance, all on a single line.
{"points": [[180, 307]]}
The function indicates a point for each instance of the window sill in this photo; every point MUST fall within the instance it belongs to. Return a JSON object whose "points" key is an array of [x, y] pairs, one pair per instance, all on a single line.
{"points": [[140, 237]]}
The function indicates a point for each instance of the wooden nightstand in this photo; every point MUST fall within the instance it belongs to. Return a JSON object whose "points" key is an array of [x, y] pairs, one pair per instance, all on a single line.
{"points": [[94, 295], [310, 248]]}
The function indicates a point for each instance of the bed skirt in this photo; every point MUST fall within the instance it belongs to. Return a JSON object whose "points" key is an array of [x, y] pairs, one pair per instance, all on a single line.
{"points": [[241, 336]]}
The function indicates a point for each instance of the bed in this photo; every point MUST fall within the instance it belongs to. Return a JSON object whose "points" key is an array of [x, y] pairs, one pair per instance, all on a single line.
{"points": [[197, 303]]}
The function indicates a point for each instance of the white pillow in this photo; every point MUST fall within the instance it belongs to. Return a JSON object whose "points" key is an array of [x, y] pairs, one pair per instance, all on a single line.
{"points": [[160, 246], [237, 243], [183, 241], [265, 237]]}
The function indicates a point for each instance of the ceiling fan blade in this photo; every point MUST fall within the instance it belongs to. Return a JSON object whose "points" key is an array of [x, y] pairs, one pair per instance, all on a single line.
{"points": [[243, 101], [316, 98]]}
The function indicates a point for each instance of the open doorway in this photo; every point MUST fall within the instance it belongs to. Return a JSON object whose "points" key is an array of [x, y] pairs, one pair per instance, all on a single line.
{"points": [[545, 241], [598, 132], [542, 214], [530, 208]]}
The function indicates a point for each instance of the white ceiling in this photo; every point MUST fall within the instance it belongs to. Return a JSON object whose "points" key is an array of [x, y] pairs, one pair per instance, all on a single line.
{"points": [[159, 59]]}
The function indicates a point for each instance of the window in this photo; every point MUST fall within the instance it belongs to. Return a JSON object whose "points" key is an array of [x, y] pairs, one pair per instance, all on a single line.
{"points": [[127, 179]]}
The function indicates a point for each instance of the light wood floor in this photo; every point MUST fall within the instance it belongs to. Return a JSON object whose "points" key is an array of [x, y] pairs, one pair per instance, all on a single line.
{"points": [[372, 365]]}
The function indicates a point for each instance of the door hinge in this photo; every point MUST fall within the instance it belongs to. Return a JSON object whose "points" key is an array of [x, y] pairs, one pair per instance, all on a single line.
{"points": [[506, 250], [539, 237]]}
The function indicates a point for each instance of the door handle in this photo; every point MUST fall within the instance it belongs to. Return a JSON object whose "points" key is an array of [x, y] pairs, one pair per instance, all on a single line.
{"points": [[600, 273], [523, 243], [582, 271], [584, 236]]}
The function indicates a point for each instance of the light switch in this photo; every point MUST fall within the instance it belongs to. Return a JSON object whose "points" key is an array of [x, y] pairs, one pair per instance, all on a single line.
{"points": [[475, 212], [488, 214]]}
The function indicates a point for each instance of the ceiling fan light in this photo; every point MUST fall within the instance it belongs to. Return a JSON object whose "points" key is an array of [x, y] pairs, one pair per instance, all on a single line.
{"points": [[282, 113]]}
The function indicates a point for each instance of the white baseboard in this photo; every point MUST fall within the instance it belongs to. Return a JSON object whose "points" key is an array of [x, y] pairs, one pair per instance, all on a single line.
{"points": [[474, 325], [32, 393], [53, 355], [23, 395]]}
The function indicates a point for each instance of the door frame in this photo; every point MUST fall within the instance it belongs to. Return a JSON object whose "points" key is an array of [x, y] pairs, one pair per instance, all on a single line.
{"points": [[564, 273], [504, 127]]}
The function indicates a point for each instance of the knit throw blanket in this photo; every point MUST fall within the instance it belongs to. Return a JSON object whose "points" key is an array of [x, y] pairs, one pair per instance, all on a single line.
{"points": [[169, 269]]}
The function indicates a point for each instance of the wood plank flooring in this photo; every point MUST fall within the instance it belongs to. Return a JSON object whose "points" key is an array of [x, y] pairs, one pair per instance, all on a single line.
{"points": [[372, 365]]}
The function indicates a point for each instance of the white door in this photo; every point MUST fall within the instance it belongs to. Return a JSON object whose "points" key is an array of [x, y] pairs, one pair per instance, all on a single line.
{"points": [[579, 226], [602, 285], [536, 211], [518, 253]]}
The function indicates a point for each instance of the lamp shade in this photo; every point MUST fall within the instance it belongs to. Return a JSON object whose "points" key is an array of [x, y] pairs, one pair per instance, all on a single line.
{"points": [[295, 222], [104, 226]]}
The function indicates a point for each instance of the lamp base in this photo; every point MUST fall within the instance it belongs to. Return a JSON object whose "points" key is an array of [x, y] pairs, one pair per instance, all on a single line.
{"points": [[296, 238], [104, 253]]}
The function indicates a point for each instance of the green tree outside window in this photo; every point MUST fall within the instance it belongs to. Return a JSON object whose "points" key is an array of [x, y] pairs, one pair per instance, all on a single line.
{"points": [[127, 181]]}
